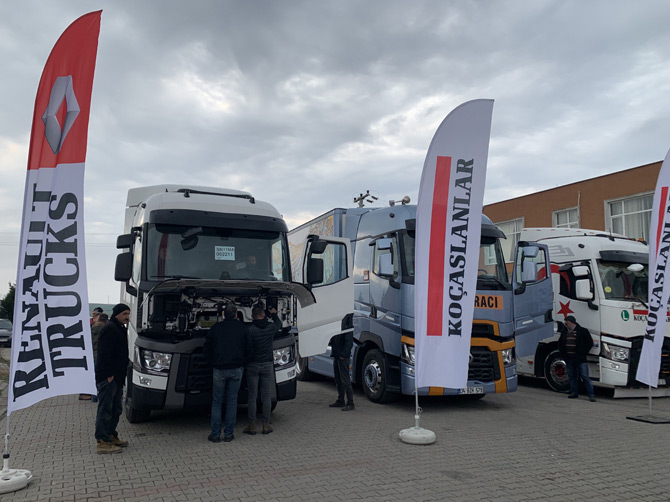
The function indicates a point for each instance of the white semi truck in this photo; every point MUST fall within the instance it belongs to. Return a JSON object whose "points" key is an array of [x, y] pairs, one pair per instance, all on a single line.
{"points": [[601, 279], [188, 251]]}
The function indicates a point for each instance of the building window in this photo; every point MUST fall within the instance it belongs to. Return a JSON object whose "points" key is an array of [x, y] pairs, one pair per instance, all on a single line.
{"points": [[631, 217], [566, 218], [512, 229]]}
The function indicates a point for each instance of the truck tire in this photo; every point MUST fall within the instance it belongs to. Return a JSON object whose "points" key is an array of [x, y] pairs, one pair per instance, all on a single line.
{"points": [[375, 378], [556, 372]]}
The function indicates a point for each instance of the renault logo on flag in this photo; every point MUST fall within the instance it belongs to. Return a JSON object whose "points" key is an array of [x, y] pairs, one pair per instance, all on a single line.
{"points": [[62, 90]]}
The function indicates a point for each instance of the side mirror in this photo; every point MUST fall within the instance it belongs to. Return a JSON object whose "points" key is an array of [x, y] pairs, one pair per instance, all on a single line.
{"points": [[528, 271], [123, 270], [125, 241], [384, 244], [583, 289], [386, 265], [580, 271], [530, 251], [315, 271], [318, 247]]}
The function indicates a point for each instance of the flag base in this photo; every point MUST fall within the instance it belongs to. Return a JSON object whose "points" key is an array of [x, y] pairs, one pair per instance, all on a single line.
{"points": [[12, 480], [650, 419], [417, 435]]}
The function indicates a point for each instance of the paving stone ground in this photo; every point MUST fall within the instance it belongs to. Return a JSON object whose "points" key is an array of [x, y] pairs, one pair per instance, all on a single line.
{"points": [[530, 445]]}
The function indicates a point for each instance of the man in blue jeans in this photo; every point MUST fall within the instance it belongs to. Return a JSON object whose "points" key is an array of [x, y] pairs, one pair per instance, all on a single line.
{"points": [[260, 366], [227, 347], [110, 375], [574, 344]]}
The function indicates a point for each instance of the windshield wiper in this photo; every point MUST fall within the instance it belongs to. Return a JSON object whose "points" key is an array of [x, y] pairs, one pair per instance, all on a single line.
{"points": [[628, 299], [168, 277]]}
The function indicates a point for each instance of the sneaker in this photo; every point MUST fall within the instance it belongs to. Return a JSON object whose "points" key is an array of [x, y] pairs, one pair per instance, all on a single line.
{"points": [[267, 428], [250, 429], [213, 438], [573, 396], [592, 399], [349, 407], [228, 439], [336, 404], [107, 447], [121, 443]]}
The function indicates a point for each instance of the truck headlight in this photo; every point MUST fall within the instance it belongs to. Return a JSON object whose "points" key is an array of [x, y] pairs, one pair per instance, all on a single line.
{"points": [[508, 357], [614, 352], [408, 353], [151, 361], [283, 356]]}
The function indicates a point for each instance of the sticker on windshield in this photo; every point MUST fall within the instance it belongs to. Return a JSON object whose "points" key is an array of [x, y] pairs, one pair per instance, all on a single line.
{"points": [[608, 289], [224, 253]]}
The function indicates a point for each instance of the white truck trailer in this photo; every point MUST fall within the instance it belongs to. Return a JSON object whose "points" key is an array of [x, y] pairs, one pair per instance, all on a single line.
{"points": [[188, 251], [601, 279]]}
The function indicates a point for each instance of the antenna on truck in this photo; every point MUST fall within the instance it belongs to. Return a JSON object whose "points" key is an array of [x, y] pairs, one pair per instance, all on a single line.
{"points": [[363, 198]]}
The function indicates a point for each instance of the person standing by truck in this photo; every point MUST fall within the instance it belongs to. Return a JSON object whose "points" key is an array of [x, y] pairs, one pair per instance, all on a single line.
{"points": [[574, 344], [341, 346], [227, 348], [259, 368], [110, 374]]}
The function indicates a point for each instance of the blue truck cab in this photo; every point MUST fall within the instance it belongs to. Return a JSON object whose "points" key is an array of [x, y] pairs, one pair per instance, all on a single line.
{"points": [[383, 303]]}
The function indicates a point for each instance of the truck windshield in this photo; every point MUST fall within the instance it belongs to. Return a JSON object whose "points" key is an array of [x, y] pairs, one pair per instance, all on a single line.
{"points": [[620, 283], [175, 251], [491, 274]]}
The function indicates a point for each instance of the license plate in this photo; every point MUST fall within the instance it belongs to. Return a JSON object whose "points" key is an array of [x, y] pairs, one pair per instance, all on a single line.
{"points": [[471, 390]]}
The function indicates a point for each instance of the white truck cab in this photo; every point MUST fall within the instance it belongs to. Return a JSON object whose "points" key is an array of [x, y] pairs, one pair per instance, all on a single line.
{"points": [[602, 280]]}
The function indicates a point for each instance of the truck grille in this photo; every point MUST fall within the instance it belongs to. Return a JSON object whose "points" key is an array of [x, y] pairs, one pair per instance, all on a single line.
{"points": [[194, 374], [484, 365], [664, 371]]}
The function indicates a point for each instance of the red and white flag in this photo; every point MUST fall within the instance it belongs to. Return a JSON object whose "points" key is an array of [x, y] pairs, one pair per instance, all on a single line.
{"points": [[51, 341], [659, 283], [448, 230]]}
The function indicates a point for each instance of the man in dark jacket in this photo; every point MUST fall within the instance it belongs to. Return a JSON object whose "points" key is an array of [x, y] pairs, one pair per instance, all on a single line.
{"points": [[340, 351], [227, 347], [110, 376], [260, 366], [574, 344]]}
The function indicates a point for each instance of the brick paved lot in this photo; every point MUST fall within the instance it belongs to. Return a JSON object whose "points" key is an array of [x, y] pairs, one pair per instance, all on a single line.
{"points": [[531, 445]]}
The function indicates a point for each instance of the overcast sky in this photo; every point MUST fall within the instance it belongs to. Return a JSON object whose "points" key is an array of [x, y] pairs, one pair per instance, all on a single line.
{"points": [[307, 104]]}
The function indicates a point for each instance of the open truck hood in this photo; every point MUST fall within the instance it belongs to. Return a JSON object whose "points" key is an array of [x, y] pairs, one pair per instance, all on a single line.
{"points": [[232, 287]]}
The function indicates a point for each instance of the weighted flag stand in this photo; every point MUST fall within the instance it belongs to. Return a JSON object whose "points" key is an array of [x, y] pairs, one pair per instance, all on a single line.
{"points": [[12, 480], [416, 434], [650, 419]]}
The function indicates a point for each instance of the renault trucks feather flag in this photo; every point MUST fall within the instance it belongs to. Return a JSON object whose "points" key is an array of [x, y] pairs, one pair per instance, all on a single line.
{"points": [[448, 230], [659, 283], [51, 342]]}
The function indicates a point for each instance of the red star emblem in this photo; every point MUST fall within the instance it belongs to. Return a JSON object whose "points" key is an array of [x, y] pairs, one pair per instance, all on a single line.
{"points": [[565, 308]]}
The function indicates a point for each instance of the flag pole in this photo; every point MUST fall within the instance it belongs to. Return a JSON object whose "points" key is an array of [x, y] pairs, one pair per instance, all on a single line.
{"points": [[12, 480], [416, 434]]}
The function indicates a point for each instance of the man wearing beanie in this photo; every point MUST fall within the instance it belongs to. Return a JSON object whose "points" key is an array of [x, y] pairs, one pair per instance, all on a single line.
{"points": [[110, 375]]}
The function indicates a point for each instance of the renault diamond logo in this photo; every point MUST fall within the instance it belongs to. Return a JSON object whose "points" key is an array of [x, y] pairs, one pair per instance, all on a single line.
{"points": [[62, 90]]}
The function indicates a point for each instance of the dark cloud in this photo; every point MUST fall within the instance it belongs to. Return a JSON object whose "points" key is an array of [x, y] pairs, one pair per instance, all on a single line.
{"points": [[307, 104]]}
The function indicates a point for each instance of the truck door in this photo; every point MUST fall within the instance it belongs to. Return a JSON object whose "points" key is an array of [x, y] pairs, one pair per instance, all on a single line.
{"points": [[327, 271], [385, 294], [533, 297]]}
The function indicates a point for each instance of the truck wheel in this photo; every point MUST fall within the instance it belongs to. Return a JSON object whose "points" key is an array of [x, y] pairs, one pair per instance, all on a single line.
{"points": [[375, 378], [556, 372], [302, 369]]}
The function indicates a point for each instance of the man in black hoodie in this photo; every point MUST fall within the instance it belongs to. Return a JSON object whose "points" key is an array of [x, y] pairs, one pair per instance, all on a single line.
{"points": [[227, 347], [260, 365], [110, 376]]}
